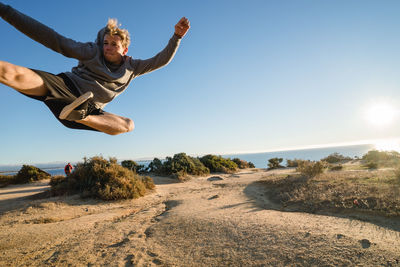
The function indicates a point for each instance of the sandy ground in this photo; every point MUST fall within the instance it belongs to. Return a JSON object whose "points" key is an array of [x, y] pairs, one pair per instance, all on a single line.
{"points": [[220, 220]]}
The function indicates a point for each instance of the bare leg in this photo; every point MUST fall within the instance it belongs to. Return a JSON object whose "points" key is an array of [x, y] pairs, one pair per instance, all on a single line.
{"points": [[21, 79], [109, 123], [28, 82]]}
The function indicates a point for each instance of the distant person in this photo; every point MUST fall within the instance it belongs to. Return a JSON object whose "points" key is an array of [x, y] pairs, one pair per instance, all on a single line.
{"points": [[104, 71], [68, 169]]}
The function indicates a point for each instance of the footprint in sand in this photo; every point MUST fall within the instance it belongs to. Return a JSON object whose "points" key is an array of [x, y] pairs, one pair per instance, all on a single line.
{"points": [[213, 197]]}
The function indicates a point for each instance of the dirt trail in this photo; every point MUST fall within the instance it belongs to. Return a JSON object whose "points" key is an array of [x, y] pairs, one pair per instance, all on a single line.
{"points": [[218, 220]]}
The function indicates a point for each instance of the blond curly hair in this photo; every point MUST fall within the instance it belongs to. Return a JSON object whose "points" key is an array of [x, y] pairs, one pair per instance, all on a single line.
{"points": [[113, 28]]}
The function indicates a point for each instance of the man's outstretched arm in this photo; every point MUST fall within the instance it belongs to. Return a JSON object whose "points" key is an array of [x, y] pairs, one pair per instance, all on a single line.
{"points": [[165, 56], [45, 35]]}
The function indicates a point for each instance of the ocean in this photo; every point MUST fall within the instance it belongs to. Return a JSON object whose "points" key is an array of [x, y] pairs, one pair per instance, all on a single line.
{"points": [[260, 160]]}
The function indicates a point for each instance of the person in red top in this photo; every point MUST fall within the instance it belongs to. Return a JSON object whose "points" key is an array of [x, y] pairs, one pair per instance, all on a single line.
{"points": [[68, 169]]}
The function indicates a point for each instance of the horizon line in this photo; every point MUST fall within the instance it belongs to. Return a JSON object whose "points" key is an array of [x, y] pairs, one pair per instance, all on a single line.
{"points": [[316, 146]]}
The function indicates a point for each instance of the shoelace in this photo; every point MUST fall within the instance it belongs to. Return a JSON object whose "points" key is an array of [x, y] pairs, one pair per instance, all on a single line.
{"points": [[90, 108]]}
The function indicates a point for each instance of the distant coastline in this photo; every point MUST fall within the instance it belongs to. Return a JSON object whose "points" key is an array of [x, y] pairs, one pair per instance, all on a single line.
{"points": [[258, 159]]}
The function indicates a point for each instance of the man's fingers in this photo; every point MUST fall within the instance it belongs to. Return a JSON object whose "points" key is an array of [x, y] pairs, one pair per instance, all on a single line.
{"points": [[184, 22], [182, 27]]}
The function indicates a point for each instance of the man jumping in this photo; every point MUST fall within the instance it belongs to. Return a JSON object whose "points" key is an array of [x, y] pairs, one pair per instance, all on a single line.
{"points": [[104, 71]]}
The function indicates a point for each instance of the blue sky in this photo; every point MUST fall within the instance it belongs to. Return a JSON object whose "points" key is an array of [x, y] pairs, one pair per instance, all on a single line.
{"points": [[249, 76]]}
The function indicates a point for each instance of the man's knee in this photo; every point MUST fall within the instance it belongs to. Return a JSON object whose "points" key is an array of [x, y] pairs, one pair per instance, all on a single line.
{"points": [[7, 73], [126, 127], [22, 79], [130, 125]]}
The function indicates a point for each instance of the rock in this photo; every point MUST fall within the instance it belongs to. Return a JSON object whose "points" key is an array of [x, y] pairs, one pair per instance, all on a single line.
{"points": [[365, 243], [339, 236], [215, 178]]}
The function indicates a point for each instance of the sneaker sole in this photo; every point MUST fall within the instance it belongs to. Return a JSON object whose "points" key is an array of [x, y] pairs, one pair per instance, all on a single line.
{"points": [[67, 109]]}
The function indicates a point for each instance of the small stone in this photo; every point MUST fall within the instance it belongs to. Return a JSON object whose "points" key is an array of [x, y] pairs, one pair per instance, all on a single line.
{"points": [[215, 178], [365, 243]]}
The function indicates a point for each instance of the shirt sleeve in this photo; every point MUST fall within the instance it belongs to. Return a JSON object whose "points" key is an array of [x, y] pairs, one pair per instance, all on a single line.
{"points": [[47, 36], [160, 60]]}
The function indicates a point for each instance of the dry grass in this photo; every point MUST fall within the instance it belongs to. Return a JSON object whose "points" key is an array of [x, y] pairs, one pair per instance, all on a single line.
{"points": [[6, 180], [363, 190]]}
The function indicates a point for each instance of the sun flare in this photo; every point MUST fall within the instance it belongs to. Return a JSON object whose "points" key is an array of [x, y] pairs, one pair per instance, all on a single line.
{"points": [[381, 114], [387, 145]]}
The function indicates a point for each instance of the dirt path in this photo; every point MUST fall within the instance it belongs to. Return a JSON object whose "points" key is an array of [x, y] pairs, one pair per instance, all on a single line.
{"points": [[14, 196], [211, 221]]}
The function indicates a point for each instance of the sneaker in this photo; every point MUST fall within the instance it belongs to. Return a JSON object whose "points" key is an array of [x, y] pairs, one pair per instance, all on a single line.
{"points": [[77, 110]]}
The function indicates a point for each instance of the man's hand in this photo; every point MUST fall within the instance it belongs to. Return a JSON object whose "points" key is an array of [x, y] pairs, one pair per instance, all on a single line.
{"points": [[182, 27]]}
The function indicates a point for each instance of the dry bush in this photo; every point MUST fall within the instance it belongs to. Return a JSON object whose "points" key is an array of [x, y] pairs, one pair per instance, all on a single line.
{"points": [[242, 164], [104, 179], [275, 163], [337, 167], [6, 180], [292, 163], [397, 174], [311, 169], [376, 191], [374, 159], [371, 165], [336, 158], [28, 174]]}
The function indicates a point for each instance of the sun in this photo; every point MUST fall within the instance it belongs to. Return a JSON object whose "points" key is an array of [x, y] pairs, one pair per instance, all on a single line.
{"points": [[381, 114]]}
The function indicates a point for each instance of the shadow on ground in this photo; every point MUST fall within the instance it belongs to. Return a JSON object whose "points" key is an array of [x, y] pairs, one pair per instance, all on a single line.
{"points": [[14, 197]]}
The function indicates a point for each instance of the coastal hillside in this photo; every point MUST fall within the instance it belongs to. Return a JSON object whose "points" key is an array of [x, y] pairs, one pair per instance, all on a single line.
{"points": [[235, 219]]}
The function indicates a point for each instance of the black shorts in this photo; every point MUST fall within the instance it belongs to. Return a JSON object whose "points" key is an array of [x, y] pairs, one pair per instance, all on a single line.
{"points": [[61, 92]]}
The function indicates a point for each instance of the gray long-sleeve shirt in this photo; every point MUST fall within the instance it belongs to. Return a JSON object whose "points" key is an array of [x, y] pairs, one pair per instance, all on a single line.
{"points": [[92, 73]]}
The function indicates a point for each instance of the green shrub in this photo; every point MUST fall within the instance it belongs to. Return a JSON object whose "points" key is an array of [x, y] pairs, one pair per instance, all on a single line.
{"points": [[397, 174], [336, 167], [219, 164], [156, 166], [292, 163], [242, 164], [275, 163], [336, 158], [133, 166], [181, 165], [28, 174], [381, 158], [371, 165], [311, 169], [178, 166], [104, 179]]}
